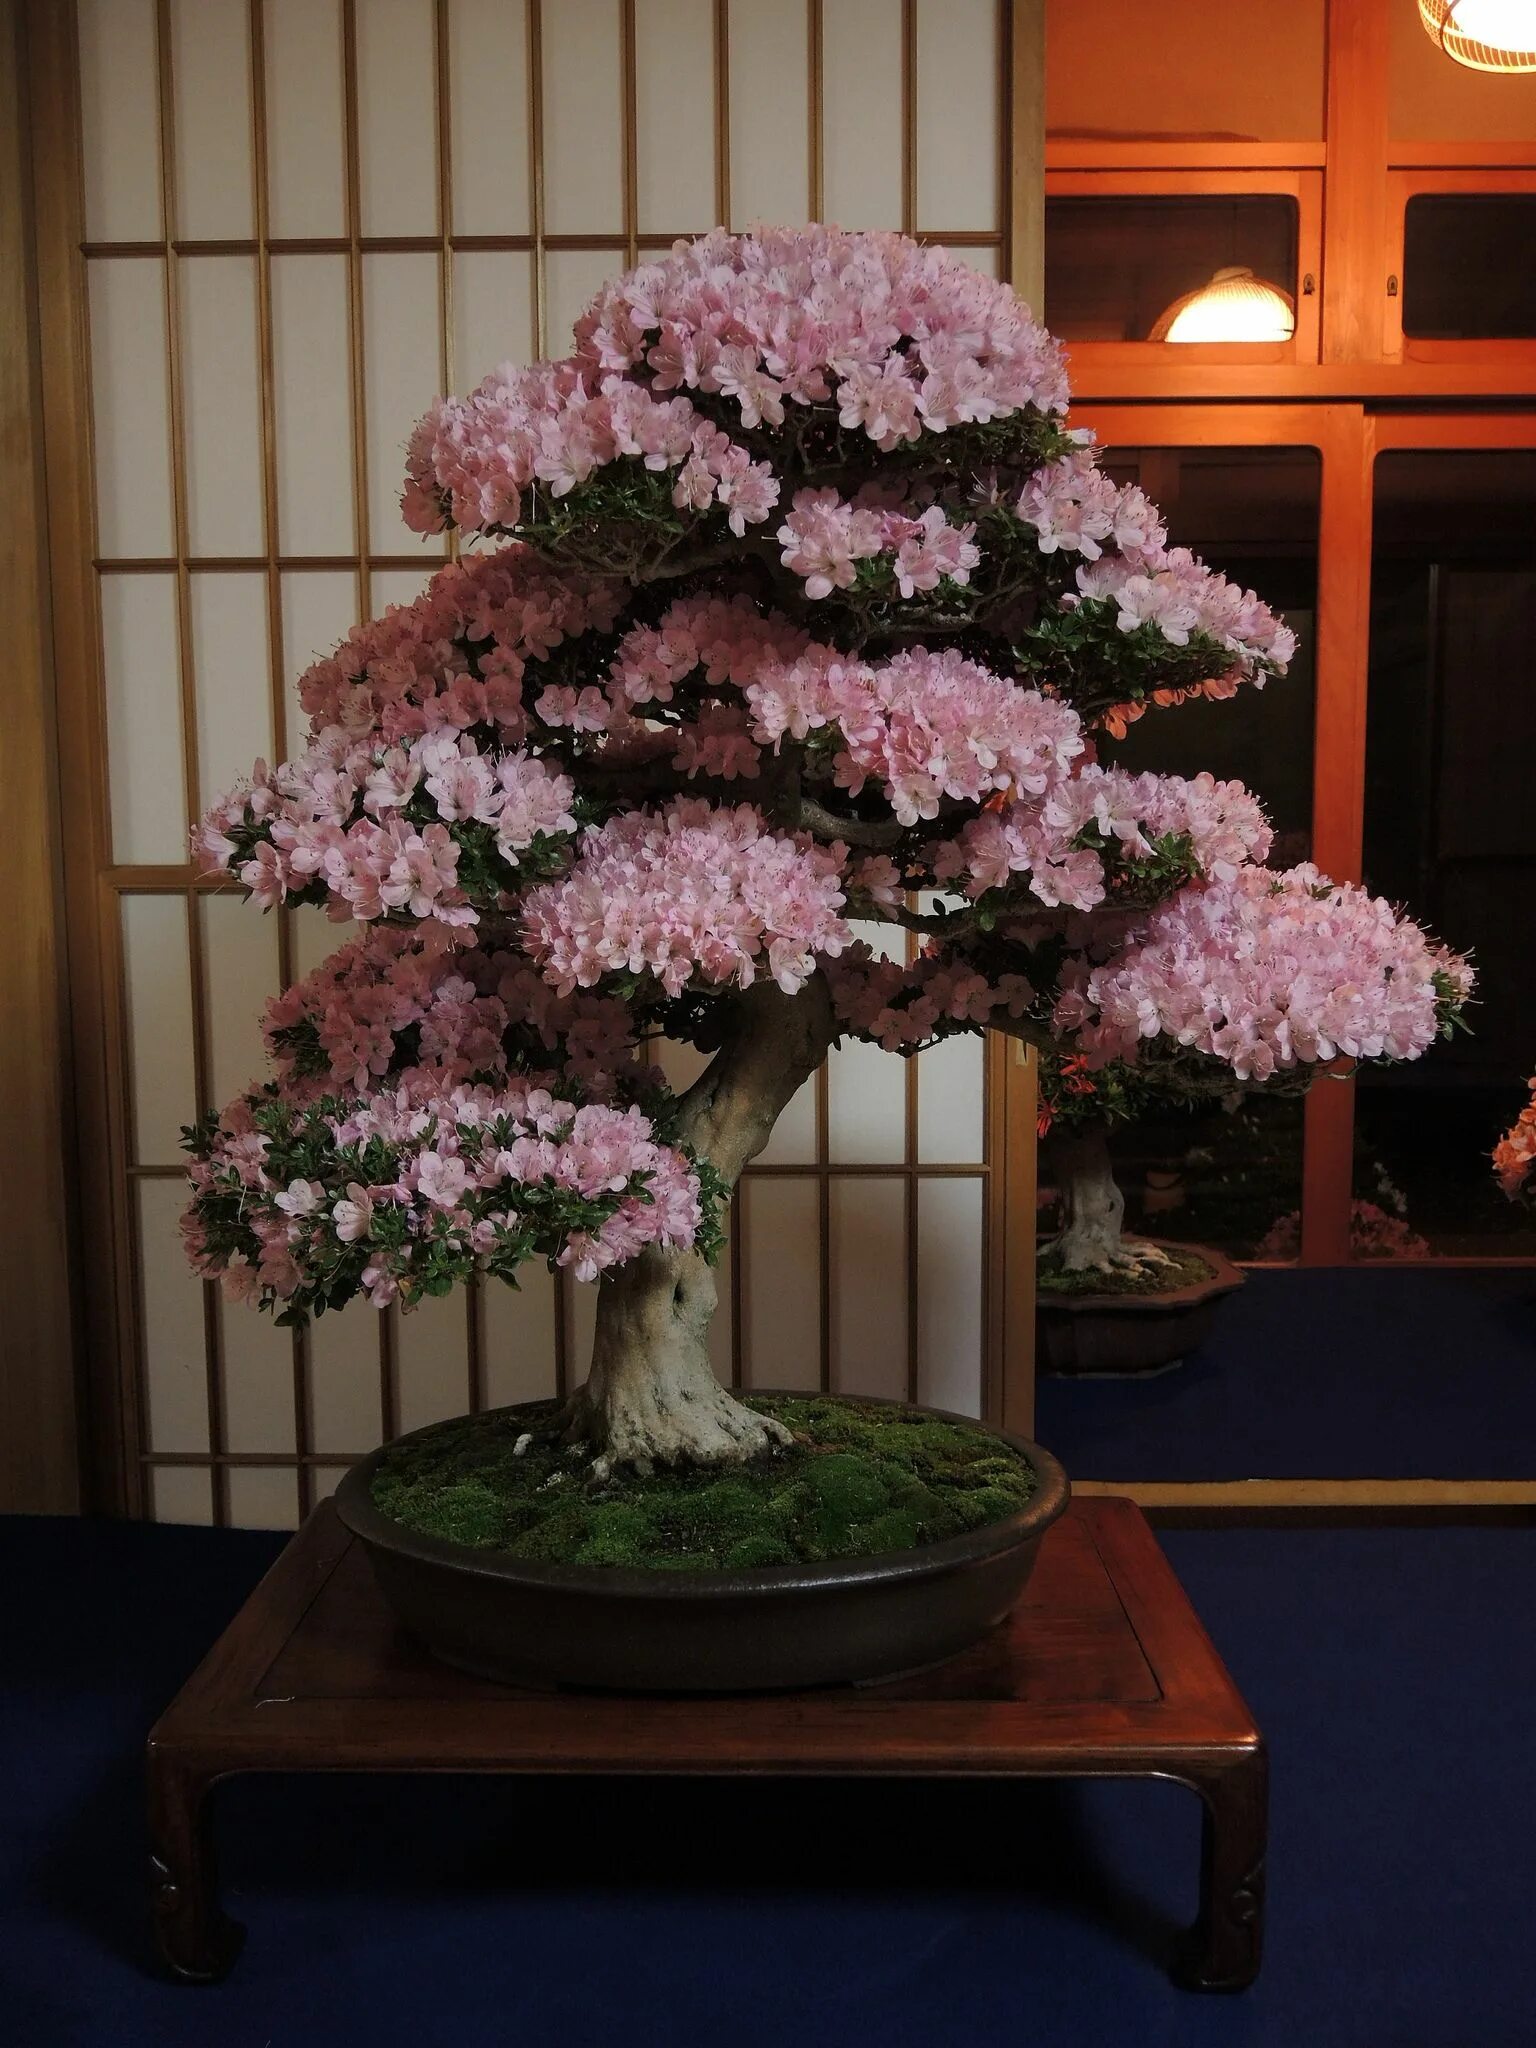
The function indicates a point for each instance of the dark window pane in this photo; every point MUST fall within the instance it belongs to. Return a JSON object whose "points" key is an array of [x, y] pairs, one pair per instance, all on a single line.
{"points": [[1113, 267], [1467, 268], [1451, 744]]}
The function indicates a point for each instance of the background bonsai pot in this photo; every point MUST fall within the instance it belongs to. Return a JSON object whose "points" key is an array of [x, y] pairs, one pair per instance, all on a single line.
{"points": [[545, 1625], [1129, 1332]]}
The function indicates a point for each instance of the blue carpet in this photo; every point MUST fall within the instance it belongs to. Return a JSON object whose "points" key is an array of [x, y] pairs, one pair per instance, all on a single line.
{"points": [[1392, 1670], [1360, 1373]]}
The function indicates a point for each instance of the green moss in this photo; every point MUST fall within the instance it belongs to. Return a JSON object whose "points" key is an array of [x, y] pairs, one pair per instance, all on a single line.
{"points": [[856, 1482], [1188, 1270]]}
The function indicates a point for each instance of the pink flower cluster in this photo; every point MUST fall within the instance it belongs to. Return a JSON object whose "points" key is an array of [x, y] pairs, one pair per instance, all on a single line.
{"points": [[1173, 590], [693, 892], [1374, 1233], [475, 1176], [1265, 971], [1222, 821], [1515, 1154], [900, 1006], [345, 819], [465, 1007], [1076, 509], [824, 539]]}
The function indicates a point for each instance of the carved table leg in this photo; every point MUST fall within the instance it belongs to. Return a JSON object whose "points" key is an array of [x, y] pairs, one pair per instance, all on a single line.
{"points": [[194, 1936], [1222, 1951]]}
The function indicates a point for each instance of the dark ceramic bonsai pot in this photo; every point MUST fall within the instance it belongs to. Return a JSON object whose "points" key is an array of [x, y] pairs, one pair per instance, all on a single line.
{"points": [[1132, 1333], [546, 1625]]}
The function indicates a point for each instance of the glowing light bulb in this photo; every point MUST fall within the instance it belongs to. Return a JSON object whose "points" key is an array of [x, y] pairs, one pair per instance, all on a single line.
{"points": [[1485, 35], [1234, 306]]}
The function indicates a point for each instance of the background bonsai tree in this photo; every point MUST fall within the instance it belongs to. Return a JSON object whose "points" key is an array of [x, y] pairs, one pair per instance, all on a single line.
{"points": [[794, 601], [1514, 1156]]}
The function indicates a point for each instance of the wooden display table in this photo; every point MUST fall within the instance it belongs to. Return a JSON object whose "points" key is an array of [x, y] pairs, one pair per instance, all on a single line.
{"points": [[1103, 1671]]}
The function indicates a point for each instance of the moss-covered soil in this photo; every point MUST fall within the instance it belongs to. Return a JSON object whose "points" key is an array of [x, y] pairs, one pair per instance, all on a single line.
{"points": [[1188, 1270], [855, 1483]]}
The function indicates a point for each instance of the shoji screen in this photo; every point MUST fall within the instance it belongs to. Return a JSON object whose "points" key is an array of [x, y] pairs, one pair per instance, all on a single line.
{"points": [[302, 219]]}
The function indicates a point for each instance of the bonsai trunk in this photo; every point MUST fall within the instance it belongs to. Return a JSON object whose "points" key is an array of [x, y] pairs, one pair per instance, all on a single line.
{"points": [[651, 1395], [1091, 1239]]}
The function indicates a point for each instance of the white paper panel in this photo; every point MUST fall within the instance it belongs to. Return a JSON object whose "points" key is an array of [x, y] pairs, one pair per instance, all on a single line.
{"points": [[175, 1365], [344, 1398], [263, 1497], [324, 1479], [517, 1336], [580, 1323], [432, 1360], [488, 72], [319, 610], [130, 406], [240, 976], [492, 313], [571, 280], [233, 677], [221, 415], [770, 113], [675, 158], [721, 1338], [181, 1493], [781, 1343], [950, 1099], [313, 405], [316, 938], [258, 1380], [305, 159], [794, 1135], [138, 632], [682, 1064], [157, 990], [957, 106], [211, 65], [950, 1264], [867, 1233], [120, 120], [861, 113], [402, 374], [583, 118], [866, 1106], [398, 586], [988, 261], [397, 120]]}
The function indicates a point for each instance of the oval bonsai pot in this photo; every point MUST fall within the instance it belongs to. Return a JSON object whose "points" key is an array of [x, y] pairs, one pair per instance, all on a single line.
{"points": [[772, 1626], [1132, 1333]]}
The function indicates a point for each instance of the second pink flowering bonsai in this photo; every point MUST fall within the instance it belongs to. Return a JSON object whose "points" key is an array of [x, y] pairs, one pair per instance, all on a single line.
{"points": [[793, 602]]}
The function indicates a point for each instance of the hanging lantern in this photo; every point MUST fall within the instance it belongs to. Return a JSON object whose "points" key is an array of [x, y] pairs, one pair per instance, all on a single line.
{"points": [[1485, 35], [1234, 306]]}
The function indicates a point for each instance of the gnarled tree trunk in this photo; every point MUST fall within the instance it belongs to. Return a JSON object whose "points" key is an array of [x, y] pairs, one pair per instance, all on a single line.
{"points": [[1092, 1206], [651, 1395]]}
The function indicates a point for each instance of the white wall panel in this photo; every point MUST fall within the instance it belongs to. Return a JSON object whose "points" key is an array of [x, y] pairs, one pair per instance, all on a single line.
{"points": [[868, 1251], [221, 407], [345, 1413], [492, 313], [674, 115], [313, 405], [181, 1493], [431, 1355], [794, 1135], [130, 406], [316, 937], [399, 586], [120, 120], [402, 374], [770, 113], [397, 118], [861, 113], [319, 610], [258, 1380], [263, 1497], [572, 278], [782, 1283], [143, 690], [951, 1093], [232, 671], [488, 84], [957, 113], [305, 159], [517, 1336], [157, 990], [211, 67], [950, 1265], [583, 118], [866, 1106], [580, 1323], [239, 978], [171, 1300]]}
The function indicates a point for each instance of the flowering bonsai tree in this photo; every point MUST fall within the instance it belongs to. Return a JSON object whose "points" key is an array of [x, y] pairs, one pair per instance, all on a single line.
{"points": [[1515, 1154], [793, 601]]}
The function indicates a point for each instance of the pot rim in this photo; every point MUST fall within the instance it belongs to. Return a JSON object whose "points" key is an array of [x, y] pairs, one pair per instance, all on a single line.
{"points": [[354, 1505]]}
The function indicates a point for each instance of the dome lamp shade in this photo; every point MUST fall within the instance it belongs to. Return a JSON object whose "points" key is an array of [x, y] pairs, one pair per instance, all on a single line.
{"points": [[1234, 306]]}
